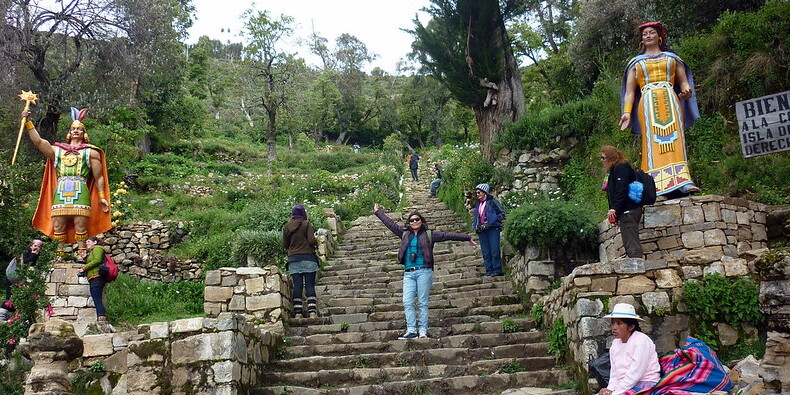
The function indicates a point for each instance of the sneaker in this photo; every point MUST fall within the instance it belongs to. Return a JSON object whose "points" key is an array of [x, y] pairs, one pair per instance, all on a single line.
{"points": [[408, 336], [423, 335]]}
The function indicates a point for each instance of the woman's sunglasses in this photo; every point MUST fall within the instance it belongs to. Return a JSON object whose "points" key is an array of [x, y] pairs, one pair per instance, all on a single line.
{"points": [[414, 220]]}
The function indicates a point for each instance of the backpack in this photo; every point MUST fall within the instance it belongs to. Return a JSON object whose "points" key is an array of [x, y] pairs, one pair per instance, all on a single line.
{"points": [[108, 270], [600, 368], [645, 192], [11, 271]]}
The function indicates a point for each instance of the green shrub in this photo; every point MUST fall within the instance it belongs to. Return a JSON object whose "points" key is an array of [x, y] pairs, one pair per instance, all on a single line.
{"points": [[142, 301], [558, 339], [551, 224], [265, 247], [719, 299], [513, 366], [510, 326], [537, 314]]}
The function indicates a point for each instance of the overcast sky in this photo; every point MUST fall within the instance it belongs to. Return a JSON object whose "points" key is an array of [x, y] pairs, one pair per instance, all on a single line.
{"points": [[376, 23]]}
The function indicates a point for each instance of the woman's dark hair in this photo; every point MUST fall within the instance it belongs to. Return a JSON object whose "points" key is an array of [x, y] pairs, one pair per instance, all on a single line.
{"points": [[96, 240], [632, 321]]}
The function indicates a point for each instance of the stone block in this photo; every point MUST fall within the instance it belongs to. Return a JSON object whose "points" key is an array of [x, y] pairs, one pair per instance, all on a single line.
{"points": [[668, 278], [691, 272], [628, 265], [593, 268], [715, 237], [205, 347], [159, 330], [116, 363], [535, 283], [254, 285], [212, 309], [589, 308], [187, 325], [657, 216], [715, 267], [728, 216], [97, 345], [540, 268], [759, 232], [656, 301], [668, 243], [77, 301], [263, 302], [727, 334], [654, 264], [735, 267], [237, 303], [603, 284], [702, 256], [226, 371], [693, 215], [635, 285], [743, 218], [590, 327], [582, 281], [712, 212], [218, 294], [695, 239]]}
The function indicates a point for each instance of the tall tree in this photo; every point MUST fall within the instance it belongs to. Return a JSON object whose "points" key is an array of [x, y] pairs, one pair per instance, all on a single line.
{"points": [[272, 69], [54, 40], [466, 47], [356, 108]]}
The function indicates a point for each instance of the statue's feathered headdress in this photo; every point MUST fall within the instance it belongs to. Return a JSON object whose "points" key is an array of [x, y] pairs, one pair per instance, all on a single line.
{"points": [[76, 121]]}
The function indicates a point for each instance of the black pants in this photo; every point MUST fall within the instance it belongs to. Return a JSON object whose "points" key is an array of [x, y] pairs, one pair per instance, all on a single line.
{"points": [[414, 174], [304, 282], [629, 230], [97, 291]]}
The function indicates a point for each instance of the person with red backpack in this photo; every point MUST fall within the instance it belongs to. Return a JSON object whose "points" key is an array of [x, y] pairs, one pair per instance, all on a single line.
{"points": [[93, 261]]}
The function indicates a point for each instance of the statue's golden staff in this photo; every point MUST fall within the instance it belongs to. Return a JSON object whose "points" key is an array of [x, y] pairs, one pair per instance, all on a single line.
{"points": [[28, 97]]}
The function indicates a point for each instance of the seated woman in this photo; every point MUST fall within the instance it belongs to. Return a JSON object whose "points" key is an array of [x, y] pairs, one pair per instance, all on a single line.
{"points": [[632, 355]]}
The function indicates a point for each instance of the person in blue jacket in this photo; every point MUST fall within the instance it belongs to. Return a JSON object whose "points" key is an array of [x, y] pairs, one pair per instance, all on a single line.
{"points": [[488, 216]]}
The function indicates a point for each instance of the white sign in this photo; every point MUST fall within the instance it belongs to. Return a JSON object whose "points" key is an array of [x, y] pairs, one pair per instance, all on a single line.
{"points": [[764, 124]]}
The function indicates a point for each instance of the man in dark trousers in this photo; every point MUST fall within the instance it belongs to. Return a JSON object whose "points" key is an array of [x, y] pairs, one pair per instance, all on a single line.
{"points": [[622, 210]]}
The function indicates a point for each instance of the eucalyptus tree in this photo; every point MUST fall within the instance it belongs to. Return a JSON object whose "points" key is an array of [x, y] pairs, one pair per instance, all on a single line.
{"points": [[55, 39], [272, 69], [466, 47]]}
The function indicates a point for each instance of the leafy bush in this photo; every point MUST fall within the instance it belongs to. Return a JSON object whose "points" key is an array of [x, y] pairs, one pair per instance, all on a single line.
{"points": [[265, 247], [537, 314], [513, 366], [510, 326], [141, 301], [558, 339], [550, 224], [719, 299]]}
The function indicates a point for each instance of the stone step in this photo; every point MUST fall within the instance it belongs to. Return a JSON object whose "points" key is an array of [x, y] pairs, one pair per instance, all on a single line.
{"points": [[489, 284], [458, 385], [384, 333], [489, 359], [440, 301], [474, 340]]}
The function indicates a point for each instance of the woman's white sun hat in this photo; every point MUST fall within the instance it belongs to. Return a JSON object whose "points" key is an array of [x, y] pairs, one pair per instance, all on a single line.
{"points": [[623, 310]]}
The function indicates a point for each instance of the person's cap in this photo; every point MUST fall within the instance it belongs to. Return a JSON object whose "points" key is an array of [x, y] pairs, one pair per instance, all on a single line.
{"points": [[483, 187], [623, 310]]}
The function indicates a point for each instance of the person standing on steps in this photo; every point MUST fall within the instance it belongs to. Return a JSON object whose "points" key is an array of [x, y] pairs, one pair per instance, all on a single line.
{"points": [[299, 239], [487, 220], [435, 183], [414, 161], [94, 259], [416, 255], [622, 210], [30, 257]]}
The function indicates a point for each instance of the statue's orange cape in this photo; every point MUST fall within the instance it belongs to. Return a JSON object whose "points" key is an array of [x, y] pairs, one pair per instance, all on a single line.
{"points": [[98, 221]]}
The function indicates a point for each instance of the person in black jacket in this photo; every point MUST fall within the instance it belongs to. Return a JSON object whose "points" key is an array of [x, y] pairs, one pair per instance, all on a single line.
{"points": [[30, 257], [622, 210], [299, 239]]}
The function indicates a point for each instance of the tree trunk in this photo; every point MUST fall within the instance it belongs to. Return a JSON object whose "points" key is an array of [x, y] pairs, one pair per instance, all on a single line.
{"points": [[509, 104], [341, 137], [271, 137]]}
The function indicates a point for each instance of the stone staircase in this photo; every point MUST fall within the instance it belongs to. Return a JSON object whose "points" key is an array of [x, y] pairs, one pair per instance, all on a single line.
{"points": [[480, 342]]}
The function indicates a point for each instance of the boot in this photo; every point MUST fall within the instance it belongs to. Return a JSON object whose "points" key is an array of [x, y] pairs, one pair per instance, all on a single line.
{"points": [[3, 314], [298, 308], [311, 307]]}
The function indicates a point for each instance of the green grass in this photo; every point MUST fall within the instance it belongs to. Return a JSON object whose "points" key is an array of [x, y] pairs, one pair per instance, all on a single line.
{"points": [[133, 301]]}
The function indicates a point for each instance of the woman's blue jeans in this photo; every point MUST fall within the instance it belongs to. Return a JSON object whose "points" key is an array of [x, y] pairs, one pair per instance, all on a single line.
{"points": [[489, 246], [417, 285], [97, 292]]}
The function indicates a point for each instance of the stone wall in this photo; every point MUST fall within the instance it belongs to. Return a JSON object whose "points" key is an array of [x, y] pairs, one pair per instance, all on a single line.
{"points": [[262, 295], [534, 170], [693, 229], [654, 287], [70, 296], [219, 355]]}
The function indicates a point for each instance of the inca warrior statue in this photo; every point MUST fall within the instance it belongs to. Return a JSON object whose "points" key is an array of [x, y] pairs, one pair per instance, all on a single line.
{"points": [[73, 202]]}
